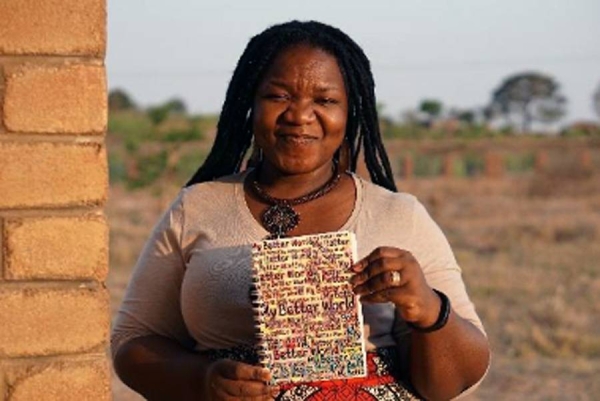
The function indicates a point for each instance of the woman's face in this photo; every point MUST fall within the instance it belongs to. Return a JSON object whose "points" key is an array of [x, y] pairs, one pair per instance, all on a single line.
{"points": [[300, 111]]}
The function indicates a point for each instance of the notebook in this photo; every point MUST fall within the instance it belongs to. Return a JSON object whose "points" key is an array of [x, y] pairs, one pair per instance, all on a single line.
{"points": [[309, 322]]}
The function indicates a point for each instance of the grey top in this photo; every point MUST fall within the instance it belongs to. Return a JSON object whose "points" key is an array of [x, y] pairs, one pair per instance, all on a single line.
{"points": [[192, 280]]}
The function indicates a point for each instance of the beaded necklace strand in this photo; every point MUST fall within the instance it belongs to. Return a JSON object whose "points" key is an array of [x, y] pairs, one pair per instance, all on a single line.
{"points": [[280, 217]]}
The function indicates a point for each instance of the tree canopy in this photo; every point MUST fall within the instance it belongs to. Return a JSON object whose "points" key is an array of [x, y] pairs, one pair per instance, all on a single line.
{"points": [[176, 105], [160, 113], [596, 101], [528, 97], [432, 108], [118, 100]]}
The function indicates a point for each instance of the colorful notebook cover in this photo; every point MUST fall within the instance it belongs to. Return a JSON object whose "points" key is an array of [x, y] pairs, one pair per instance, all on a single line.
{"points": [[309, 320]]}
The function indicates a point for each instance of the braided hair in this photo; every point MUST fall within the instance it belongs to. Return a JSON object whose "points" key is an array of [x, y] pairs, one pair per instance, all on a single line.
{"points": [[234, 129]]}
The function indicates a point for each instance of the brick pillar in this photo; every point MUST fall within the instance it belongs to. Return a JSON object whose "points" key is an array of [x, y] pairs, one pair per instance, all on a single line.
{"points": [[54, 306], [449, 161], [494, 166], [541, 161], [585, 160], [408, 166]]}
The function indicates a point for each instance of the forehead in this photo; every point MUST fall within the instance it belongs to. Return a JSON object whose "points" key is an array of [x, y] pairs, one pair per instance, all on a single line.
{"points": [[307, 63]]}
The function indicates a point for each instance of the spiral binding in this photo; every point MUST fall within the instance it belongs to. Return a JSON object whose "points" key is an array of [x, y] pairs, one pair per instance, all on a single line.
{"points": [[257, 308]]}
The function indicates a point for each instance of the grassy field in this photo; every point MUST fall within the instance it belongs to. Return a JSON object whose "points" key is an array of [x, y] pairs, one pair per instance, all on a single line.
{"points": [[529, 249], [529, 246]]}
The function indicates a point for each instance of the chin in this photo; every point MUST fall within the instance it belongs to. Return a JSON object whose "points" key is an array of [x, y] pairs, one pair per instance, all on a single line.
{"points": [[295, 167], [294, 170]]}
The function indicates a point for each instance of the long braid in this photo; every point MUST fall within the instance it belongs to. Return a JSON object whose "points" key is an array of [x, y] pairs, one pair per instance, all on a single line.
{"points": [[234, 129], [369, 136]]}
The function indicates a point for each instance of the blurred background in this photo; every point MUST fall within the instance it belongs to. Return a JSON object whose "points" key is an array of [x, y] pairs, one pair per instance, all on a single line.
{"points": [[491, 116]]}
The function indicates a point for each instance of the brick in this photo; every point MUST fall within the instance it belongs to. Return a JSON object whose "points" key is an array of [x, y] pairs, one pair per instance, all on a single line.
{"points": [[54, 27], [60, 381], [56, 248], [3, 389], [494, 165], [66, 99], [408, 166], [49, 321], [52, 174]]}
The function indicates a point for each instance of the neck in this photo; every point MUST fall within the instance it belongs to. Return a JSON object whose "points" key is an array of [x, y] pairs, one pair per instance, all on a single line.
{"points": [[287, 186]]}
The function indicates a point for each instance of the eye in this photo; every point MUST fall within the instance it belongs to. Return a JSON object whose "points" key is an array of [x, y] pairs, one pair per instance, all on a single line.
{"points": [[326, 101], [276, 96]]}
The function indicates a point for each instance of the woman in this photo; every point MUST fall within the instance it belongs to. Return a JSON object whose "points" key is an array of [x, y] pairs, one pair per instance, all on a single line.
{"points": [[304, 93]]}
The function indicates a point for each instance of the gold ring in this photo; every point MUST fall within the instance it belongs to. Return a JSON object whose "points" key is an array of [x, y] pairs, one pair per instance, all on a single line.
{"points": [[396, 278]]}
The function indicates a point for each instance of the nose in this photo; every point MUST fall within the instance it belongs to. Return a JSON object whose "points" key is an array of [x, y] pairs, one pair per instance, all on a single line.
{"points": [[299, 112]]}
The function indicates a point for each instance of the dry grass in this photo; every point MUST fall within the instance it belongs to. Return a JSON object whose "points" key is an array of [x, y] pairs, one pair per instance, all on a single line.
{"points": [[529, 248]]}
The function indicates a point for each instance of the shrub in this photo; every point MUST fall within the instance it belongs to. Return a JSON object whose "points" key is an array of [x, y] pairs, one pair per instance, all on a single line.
{"points": [[183, 135], [133, 128], [117, 170], [151, 167], [519, 163], [428, 165], [188, 164], [471, 165]]}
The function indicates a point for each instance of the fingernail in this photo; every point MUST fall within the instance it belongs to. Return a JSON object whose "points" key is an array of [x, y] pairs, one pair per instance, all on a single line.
{"points": [[266, 375]]}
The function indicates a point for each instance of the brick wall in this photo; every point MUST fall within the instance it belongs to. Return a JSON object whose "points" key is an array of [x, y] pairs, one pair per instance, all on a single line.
{"points": [[54, 313]]}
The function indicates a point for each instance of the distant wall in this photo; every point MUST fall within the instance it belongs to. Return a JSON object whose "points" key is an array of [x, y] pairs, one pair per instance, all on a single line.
{"points": [[495, 158], [54, 307]]}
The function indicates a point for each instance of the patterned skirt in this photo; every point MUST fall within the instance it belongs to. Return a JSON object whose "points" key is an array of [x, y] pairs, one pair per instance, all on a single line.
{"points": [[381, 384]]}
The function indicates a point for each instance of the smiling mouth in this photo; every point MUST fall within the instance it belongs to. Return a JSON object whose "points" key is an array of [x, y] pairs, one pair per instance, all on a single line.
{"points": [[297, 139]]}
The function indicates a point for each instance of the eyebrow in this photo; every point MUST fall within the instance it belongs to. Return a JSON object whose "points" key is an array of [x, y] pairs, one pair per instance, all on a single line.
{"points": [[319, 88]]}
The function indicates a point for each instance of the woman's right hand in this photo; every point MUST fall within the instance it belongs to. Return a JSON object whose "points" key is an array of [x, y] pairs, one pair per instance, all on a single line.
{"points": [[226, 379]]}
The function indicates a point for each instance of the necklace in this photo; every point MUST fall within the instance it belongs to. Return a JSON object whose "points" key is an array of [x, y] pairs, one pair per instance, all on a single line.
{"points": [[280, 217]]}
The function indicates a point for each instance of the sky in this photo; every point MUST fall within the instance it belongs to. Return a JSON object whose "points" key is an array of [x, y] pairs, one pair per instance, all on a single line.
{"points": [[455, 51]]}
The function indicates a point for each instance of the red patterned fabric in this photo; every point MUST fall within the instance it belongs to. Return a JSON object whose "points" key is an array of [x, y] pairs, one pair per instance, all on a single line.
{"points": [[379, 385]]}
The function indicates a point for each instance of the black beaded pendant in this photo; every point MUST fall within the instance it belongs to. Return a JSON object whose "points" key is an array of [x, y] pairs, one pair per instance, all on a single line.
{"points": [[280, 218]]}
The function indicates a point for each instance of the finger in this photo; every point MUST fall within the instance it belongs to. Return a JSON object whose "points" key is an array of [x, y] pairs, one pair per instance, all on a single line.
{"points": [[244, 388], [381, 266], [400, 262], [385, 280], [378, 253], [219, 395], [242, 371], [385, 295]]}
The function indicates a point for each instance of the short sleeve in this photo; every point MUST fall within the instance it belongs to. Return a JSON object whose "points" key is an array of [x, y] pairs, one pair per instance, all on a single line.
{"points": [[151, 305]]}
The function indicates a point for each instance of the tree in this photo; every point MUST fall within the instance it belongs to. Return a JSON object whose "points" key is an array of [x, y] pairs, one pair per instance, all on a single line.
{"points": [[176, 105], [465, 116], [596, 101], [528, 96], [118, 100], [158, 114], [432, 109]]}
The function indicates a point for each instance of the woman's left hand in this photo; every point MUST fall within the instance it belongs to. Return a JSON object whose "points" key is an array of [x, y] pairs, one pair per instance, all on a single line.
{"points": [[393, 275]]}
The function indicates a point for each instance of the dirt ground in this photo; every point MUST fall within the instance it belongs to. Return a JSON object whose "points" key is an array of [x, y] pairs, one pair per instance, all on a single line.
{"points": [[529, 249]]}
